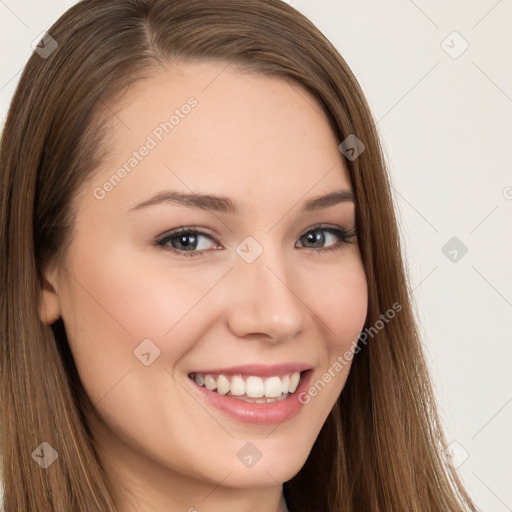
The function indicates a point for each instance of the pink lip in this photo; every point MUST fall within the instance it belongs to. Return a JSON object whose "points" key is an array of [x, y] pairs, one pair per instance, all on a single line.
{"points": [[259, 414], [259, 370]]}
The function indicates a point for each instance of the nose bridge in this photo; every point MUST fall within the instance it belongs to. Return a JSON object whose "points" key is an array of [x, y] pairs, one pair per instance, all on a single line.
{"points": [[267, 301]]}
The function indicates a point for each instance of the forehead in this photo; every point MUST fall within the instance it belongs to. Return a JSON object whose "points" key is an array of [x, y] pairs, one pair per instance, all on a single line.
{"points": [[208, 127]]}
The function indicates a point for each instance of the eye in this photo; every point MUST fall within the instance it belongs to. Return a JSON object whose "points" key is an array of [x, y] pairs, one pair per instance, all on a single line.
{"points": [[191, 241], [186, 241], [336, 238]]}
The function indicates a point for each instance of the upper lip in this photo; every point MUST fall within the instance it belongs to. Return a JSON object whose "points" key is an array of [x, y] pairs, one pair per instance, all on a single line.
{"points": [[261, 370]]}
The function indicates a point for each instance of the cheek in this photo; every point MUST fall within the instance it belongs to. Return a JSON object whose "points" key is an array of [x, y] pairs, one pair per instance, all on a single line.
{"points": [[115, 302], [341, 308], [341, 302]]}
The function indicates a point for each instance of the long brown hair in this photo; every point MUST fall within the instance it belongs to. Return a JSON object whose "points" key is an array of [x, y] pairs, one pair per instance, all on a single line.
{"points": [[381, 446]]}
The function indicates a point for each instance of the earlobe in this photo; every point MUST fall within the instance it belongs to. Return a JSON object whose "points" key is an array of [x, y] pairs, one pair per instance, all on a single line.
{"points": [[49, 306]]}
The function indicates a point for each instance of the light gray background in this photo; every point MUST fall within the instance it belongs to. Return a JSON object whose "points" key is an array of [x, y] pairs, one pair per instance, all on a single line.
{"points": [[446, 126]]}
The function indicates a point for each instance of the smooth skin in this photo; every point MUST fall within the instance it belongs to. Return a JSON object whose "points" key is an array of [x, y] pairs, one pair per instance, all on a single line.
{"points": [[265, 143]]}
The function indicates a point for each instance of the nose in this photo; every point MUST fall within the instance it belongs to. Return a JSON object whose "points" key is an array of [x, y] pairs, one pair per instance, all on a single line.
{"points": [[265, 300]]}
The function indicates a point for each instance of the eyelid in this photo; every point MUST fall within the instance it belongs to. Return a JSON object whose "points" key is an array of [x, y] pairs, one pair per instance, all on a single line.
{"points": [[184, 229], [206, 232], [326, 227]]}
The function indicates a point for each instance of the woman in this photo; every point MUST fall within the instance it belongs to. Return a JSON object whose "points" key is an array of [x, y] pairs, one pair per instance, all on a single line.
{"points": [[205, 304]]}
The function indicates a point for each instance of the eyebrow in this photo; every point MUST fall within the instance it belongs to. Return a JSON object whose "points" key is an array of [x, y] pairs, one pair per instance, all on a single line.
{"points": [[226, 205]]}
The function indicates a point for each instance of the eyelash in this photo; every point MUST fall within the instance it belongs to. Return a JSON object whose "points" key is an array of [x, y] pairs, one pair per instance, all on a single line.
{"points": [[344, 236]]}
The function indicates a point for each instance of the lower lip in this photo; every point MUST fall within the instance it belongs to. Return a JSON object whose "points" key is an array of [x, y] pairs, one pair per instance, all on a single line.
{"points": [[259, 414]]}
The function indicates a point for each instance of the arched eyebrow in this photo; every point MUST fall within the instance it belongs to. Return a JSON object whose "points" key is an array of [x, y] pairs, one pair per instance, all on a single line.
{"points": [[224, 204]]}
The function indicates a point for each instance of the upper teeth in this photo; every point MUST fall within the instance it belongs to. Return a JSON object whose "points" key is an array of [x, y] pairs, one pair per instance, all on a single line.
{"points": [[255, 387]]}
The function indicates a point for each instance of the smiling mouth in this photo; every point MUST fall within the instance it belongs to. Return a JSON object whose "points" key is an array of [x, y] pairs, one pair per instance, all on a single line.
{"points": [[250, 388]]}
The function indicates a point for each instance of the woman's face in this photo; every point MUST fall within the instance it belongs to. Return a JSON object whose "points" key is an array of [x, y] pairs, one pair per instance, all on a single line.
{"points": [[258, 295]]}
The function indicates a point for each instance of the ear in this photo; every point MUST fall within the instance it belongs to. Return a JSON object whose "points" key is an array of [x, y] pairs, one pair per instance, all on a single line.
{"points": [[49, 305]]}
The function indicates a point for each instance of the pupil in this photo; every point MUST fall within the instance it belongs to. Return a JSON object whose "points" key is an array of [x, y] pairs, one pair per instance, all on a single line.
{"points": [[316, 238], [183, 240]]}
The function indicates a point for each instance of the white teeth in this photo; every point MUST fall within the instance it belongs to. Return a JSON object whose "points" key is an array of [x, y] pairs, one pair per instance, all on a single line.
{"points": [[222, 385], [260, 390], [254, 387], [210, 382], [273, 387], [285, 381], [294, 382], [237, 386]]}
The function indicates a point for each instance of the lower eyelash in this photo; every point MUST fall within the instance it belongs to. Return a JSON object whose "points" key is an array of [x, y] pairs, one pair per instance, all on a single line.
{"points": [[344, 236]]}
